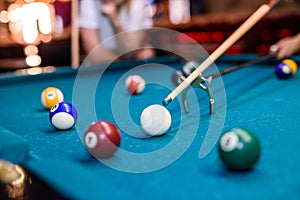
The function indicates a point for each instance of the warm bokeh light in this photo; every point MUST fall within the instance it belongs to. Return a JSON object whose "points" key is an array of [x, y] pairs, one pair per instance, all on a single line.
{"points": [[15, 28], [4, 16], [46, 38], [32, 1], [33, 60], [13, 15], [35, 71], [31, 50], [30, 20], [44, 18], [29, 1], [29, 28]]}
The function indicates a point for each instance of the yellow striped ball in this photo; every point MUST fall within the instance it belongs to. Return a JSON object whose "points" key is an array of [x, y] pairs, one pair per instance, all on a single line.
{"points": [[292, 64], [51, 96]]}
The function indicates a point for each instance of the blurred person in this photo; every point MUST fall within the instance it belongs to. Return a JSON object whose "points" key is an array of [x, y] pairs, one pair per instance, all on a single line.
{"points": [[286, 47], [101, 19]]}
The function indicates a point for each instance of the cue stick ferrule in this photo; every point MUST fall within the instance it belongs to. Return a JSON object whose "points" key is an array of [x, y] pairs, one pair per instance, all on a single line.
{"points": [[167, 101]]}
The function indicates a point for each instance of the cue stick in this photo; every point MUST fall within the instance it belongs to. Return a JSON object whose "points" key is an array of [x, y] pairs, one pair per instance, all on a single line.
{"points": [[74, 34], [245, 64], [249, 23]]}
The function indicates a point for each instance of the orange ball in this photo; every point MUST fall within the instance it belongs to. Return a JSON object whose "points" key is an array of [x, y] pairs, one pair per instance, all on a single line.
{"points": [[51, 96]]}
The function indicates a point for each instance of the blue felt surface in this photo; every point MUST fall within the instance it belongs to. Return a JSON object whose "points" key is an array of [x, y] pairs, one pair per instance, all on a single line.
{"points": [[256, 100], [13, 147]]}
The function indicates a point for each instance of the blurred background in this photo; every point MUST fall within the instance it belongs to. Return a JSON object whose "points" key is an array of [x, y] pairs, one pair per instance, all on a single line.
{"points": [[42, 33]]}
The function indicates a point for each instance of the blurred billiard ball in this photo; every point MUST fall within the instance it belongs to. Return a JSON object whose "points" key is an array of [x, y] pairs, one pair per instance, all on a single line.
{"points": [[63, 115], [102, 139], [286, 68], [135, 84], [239, 149], [51, 96], [189, 67]]}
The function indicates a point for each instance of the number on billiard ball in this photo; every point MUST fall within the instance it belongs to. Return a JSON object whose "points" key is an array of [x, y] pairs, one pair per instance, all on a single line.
{"points": [[51, 96], [102, 139], [286, 68], [239, 149]]}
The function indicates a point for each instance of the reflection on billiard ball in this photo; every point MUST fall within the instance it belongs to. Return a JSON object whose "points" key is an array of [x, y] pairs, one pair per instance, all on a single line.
{"points": [[189, 67], [155, 120], [239, 149], [63, 115], [286, 68], [102, 139], [51, 96], [135, 84]]}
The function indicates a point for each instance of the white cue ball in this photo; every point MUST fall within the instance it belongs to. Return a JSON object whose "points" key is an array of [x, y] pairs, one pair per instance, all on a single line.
{"points": [[155, 120]]}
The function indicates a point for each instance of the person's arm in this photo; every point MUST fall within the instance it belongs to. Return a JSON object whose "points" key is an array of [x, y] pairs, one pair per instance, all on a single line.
{"points": [[91, 22], [90, 40], [286, 47]]}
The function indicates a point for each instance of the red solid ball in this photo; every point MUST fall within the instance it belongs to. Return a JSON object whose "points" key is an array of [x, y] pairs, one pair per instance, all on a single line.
{"points": [[102, 139]]}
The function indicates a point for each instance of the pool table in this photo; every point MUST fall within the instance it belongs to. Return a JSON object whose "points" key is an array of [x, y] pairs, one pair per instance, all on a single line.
{"points": [[171, 166]]}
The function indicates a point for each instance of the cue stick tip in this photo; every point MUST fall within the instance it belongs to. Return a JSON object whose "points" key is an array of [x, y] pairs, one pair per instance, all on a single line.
{"points": [[167, 101]]}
